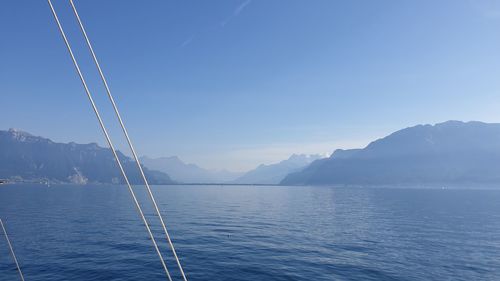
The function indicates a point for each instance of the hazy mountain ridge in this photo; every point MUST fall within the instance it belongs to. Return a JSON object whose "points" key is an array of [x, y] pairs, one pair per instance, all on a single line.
{"points": [[188, 173], [449, 152], [275, 173], [24, 157]]}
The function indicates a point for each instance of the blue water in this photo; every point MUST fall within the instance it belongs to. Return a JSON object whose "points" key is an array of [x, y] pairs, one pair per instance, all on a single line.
{"points": [[254, 233]]}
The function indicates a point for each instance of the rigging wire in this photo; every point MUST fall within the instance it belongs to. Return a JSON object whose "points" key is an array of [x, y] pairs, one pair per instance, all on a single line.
{"points": [[12, 251], [125, 132], [108, 139]]}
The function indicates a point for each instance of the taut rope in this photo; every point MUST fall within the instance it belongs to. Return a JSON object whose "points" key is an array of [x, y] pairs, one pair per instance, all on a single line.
{"points": [[12, 251], [110, 143], [118, 116]]}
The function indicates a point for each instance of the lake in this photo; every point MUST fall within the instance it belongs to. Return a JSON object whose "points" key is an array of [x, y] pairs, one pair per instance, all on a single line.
{"points": [[257, 233]]}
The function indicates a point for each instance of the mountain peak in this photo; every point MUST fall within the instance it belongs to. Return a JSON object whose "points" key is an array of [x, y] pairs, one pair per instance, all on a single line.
{"points": [[19, 135], [297, 156], [16, 131], [304, 156], [451, 122]]}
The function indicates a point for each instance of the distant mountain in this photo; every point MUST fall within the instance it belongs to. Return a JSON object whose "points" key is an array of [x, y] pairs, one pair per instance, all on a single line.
{"points": [[274, 173], [449, 152], [24, 157], [188, 173]]}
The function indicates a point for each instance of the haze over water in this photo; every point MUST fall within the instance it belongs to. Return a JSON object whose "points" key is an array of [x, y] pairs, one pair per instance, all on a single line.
{"points": [[254, 233]]}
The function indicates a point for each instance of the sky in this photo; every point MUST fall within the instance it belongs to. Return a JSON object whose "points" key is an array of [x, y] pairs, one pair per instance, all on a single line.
{"points": [[231, 84]]}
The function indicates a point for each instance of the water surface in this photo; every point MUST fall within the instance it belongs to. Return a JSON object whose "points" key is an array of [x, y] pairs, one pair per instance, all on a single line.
{"points": [[253, 233]]}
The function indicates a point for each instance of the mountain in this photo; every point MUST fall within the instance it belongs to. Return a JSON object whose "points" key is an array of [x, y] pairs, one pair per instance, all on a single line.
{"points": [[24, 157], [449, 152], [187, 173], [274, 173]]}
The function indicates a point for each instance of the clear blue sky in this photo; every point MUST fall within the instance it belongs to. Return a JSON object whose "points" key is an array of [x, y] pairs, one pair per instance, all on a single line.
{"points": [[234, 83]]}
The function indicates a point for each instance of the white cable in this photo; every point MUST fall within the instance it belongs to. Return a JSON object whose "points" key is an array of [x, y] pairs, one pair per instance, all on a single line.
{"points": [[112, 100], [12, 251], [89, 95]]}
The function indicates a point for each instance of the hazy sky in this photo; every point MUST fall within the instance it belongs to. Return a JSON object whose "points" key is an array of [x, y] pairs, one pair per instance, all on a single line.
{"points": [[235, 83]]}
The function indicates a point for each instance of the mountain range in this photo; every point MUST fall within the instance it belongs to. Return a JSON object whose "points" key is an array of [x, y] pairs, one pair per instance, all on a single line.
{"points": [[452, 152], [188, 173], [275, 173], [24, 157], [263, 174]]}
